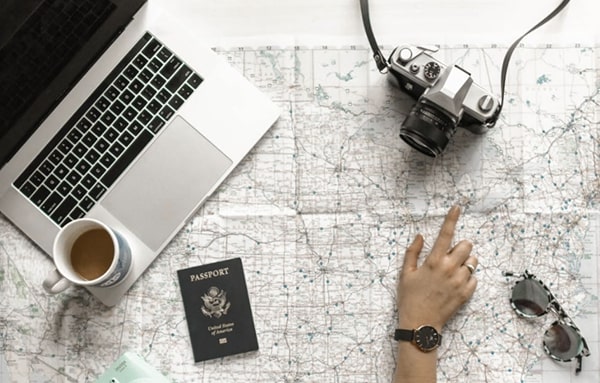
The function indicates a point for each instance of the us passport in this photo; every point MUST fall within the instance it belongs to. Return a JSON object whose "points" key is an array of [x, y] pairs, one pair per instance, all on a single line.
{"points": [[217, 309]]}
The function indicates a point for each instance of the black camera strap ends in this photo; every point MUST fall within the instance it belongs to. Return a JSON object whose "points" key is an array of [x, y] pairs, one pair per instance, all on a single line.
{"points": [[383, 67], [377, 55]]}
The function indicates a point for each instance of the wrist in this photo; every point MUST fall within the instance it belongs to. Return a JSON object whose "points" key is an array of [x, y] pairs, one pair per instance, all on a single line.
{"points": [[426, 338], [413, 323]]}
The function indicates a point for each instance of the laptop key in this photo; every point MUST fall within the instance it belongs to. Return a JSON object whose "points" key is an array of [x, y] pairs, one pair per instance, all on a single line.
{"points": [[56, 156], [194, 81], [63, 210], [64, 188], [65, 146], [175, 102], [179, 78], [164, 54], [158, 81], [61, 171], [163, 96], [76, 213], [121, 82], [151, 48], [135, 128], [84, 125], [171, 67], [108, 117], [116, 149], [27, 189], [101, 145], [88, 181], [51, 203], [145, 117], [112, 93], [102, 104], [155, 65], [40, 195], [154, 106], [166, 113], [136, 86], [73, 177], [156, 124], [51, 182], [87, 203], [70, 161], [131, 72], [37, 178], [78, 192], [107, 160], [185, 91], [145, 76], [117, 107], [139, 102], [121, 124], [126, 158], [140, 61], [47, 168], [97, 192], [93, 114], [125, 138], [126, 97], [130, 113], [74, 135]]}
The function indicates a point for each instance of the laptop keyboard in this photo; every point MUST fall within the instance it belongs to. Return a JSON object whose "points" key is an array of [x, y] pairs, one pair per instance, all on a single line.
{"points": [[108, 131]]}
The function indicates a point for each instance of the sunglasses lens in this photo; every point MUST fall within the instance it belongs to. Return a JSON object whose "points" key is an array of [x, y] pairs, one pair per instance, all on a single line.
{"points": [[530, 298], [562, 341]]}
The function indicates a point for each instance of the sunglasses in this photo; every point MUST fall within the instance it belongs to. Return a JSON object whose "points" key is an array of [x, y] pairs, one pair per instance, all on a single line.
{"points": [[531, 299]]}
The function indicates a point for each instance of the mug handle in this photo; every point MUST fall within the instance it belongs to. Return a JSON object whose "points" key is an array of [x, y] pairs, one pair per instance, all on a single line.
{"points": [[55, 282]]}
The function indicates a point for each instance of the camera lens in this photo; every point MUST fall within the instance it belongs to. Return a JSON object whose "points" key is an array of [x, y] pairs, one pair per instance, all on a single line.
{"points": [[428, 129]]}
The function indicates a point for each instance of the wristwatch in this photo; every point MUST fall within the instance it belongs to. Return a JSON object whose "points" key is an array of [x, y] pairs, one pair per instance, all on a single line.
{"points": [[426, 337]]}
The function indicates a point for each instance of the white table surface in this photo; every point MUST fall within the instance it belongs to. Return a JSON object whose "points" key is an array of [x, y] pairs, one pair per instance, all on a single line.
{"points": [[394, 21]]}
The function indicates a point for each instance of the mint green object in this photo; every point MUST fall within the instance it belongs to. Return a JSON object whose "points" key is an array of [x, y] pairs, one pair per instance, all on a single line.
{"points": [[131, 368]]}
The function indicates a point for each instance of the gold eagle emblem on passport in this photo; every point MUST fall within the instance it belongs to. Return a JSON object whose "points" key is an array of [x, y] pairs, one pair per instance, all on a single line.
{"points": [[215, 303]]}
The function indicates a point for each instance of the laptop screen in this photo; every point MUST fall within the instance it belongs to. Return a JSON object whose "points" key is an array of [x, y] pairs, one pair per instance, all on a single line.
{"points": [[46, 46]]}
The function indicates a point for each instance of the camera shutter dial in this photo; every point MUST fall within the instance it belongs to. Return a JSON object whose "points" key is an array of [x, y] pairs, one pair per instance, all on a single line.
{"points": [[431, 70]]}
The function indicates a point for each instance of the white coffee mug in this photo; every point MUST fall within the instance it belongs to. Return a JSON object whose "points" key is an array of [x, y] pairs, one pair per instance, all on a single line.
{"points": [[87, 252]]}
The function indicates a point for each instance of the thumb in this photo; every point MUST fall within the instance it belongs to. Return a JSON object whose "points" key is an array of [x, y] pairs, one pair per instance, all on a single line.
{"points": [[412, 253]]}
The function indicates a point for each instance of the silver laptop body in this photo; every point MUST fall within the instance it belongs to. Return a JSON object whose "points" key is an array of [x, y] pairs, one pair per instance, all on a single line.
{"points": [[200, 141]]}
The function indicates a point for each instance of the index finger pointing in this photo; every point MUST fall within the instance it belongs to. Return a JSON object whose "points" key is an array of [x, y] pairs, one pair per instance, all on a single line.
{"points": [[444, 239]]}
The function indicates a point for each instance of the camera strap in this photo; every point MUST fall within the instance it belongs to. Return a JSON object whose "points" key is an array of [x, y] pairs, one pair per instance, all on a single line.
{"points": [[512, 48], [377, 55], [382, 64]]}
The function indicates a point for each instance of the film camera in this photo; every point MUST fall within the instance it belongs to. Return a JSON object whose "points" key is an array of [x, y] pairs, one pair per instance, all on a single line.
{"points": [[447, 97]]}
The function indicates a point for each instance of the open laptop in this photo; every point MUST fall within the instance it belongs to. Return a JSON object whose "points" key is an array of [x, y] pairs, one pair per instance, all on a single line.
{"points": [[109, 109]]}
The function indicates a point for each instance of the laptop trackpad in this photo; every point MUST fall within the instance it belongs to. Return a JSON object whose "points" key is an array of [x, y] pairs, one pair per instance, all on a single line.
{"points": [[166, 183]]}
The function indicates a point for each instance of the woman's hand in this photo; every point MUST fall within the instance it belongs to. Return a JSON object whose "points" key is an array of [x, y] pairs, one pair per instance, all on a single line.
{"points": [[432, 293]]}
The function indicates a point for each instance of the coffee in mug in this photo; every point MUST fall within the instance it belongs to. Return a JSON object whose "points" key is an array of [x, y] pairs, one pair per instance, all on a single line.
{"points": [[92, 254], [87, 252]]}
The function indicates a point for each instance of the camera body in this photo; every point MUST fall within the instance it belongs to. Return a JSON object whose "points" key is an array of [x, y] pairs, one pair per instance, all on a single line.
{"points": [[447, 98]]}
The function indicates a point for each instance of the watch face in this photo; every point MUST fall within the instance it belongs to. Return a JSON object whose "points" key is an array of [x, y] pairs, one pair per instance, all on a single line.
{"points": [[427, 338]]}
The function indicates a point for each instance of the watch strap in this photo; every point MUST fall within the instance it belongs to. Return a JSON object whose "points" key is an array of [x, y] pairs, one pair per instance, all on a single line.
{"points": [[407, 335]]}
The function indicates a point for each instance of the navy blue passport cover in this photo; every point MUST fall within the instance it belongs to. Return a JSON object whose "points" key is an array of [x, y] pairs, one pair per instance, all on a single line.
{"points": [[217, 309]]}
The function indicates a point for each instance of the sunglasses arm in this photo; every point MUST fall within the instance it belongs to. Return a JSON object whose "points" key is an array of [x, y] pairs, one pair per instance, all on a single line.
{"points": [[517, 275]]}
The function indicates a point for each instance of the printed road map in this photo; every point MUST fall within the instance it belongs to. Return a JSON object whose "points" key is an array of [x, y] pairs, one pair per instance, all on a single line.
{"points": [[321, 212]]}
